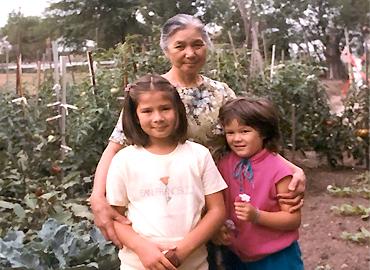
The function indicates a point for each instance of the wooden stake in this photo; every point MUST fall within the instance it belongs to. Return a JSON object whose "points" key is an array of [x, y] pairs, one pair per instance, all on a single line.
{"points": [[49, 53], [293, 132], [72, 72], [63, 62], [272, 62], [57, 80], [56, 62], [43, 67], [91, 69], [38, 76], [7, 67], [19, 76]]}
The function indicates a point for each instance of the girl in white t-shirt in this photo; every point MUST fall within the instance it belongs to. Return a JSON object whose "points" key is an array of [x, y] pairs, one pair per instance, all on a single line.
{"points": [[169, 187]]}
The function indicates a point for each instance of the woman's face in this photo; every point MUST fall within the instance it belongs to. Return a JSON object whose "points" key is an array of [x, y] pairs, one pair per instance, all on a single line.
{"points": [[187, 51]]}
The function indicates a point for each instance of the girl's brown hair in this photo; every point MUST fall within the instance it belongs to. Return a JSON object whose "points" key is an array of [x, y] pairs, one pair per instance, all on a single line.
{"points": [[130, 122], [258, 113]]}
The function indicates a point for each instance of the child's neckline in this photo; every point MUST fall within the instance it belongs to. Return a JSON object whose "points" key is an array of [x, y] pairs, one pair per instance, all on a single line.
{"points": [[164, 154], [256, 157]]}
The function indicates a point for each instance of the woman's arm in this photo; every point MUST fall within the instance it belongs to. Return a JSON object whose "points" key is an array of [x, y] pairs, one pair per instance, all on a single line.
{"points": [[104, 214], [295, 193], [207, 226], [149, 253], [283, 220]]}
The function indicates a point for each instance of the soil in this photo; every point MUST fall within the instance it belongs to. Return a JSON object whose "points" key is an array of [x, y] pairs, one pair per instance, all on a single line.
{"points": [[321, 229], [320, 241]]}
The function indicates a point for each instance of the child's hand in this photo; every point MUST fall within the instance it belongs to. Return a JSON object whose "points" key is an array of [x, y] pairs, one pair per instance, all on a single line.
{"points": [[152, 256], [245, 211], [222, 237]]}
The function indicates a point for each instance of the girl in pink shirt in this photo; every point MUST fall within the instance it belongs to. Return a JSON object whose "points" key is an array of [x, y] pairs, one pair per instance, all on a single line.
{"points": [[259, 230]]}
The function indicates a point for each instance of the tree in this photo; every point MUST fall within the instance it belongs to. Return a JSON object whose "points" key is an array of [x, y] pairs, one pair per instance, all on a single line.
{"points": [[226, 15], [157, 12], [27, 35], [107, 22], [306, 21]]}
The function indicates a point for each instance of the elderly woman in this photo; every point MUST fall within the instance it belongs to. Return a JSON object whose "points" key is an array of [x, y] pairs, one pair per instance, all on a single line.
{"points": [[185, 42]]}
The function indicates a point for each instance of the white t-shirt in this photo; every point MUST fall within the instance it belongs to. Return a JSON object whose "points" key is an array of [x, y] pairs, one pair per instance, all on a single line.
{"points": [[164, 194]]}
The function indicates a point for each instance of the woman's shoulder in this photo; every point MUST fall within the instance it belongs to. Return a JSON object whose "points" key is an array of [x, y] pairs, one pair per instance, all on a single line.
{"points": [[214, 83], [217, 86]]}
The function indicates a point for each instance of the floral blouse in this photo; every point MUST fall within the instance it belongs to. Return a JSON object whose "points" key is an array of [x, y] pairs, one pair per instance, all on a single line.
{"points": [[202, 104]]}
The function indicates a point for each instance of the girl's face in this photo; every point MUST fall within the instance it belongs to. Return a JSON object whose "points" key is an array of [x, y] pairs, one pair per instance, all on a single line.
{"points": [[157, 116], [186, 50], [243, 140]]}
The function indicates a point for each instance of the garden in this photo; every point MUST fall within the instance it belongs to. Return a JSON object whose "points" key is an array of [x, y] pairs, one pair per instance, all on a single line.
{"points": [[52, 136]]}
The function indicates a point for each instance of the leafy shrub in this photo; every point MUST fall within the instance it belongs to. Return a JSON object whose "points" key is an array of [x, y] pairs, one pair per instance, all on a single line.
{"points": [[58, 246], [295, 86]]}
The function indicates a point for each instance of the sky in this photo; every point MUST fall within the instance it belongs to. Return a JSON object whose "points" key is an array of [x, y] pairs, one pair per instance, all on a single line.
{"points": [[27, 7]]}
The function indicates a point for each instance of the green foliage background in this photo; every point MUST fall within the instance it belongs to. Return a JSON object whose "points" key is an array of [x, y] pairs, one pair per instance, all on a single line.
{"points": [[32, 188]]}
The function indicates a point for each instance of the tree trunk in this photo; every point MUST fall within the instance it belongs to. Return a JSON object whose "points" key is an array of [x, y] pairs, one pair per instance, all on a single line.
{"points": [[332, 54], [256, 64], [245, 17]]}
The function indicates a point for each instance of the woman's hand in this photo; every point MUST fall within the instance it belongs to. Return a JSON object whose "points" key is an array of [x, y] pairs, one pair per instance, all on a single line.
{"points": [[222, 237], [104, 215], [152, 255], [296, 188]]}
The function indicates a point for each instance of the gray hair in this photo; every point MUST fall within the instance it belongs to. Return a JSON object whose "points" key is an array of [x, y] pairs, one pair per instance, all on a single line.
{"points": [[180, 22]]}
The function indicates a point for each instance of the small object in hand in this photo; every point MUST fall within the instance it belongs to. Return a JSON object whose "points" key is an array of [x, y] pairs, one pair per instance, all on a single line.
{"points": [[243, 198], [172, 257], [230, 224]]}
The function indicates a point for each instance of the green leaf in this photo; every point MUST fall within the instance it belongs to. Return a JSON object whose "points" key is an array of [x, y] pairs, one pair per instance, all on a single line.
{"points": [[7, 205], [62, 217], [19, 211], [80, 210], [30, 201], [49, 195]]}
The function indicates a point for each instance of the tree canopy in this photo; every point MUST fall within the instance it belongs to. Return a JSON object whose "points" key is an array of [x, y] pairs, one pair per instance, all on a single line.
{"points": [[26, 34], [108, 22]]}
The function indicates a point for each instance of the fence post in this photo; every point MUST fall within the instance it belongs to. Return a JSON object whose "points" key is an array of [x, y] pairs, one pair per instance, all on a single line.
{"points": [[19, 89], [272, 62], [56, 62], [7, 68], [72, 72], [91, 70], [63, 63], [38, 77], [57, 88]]}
